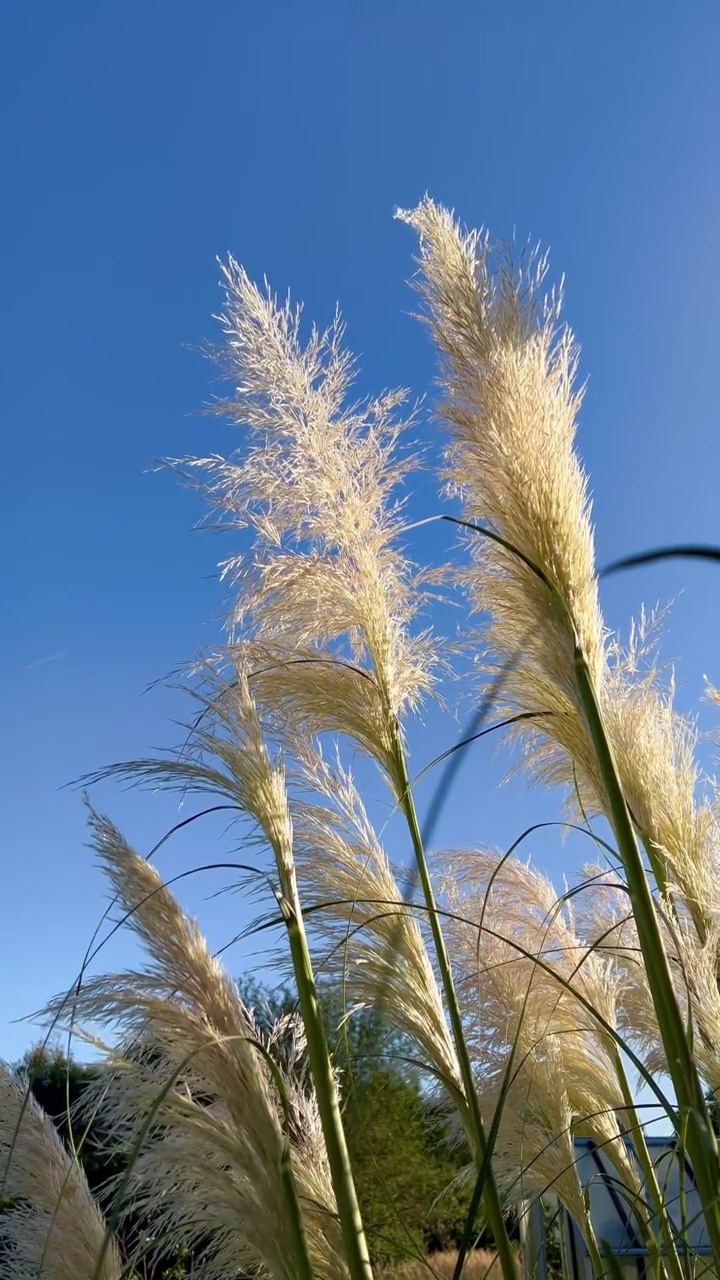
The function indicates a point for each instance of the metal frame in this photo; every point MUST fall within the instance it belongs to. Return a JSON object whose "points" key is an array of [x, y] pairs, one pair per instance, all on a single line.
{"points": [[612, 1216]]}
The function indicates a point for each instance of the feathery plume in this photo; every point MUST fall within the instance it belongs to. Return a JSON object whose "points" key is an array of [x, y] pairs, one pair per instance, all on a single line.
{"points": [[325, 604], [210, 1167], [605, 924], [225, 756], [53, 1227], [520, 969], [509, 401], [510, 405], [373, 940]]}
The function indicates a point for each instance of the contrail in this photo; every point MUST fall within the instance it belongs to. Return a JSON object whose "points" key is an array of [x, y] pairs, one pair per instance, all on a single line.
{"points": [[41, 661]]}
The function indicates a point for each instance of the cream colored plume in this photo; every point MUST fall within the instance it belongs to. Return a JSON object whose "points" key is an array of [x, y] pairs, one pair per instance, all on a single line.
{"points": [[54, 1229], [509, 403], [605, 924], [373, 942], [315, 481], [510, 406], [226, 756], [210, 1171], [530, 989]]}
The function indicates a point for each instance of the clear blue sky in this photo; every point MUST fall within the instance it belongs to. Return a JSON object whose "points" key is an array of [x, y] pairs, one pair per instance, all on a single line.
{"points": [[142, 139]]}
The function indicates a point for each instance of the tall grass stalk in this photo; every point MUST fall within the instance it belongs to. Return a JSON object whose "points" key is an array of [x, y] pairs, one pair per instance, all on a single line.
{"points": [[510, 407], [356, 1250], [476, 1130], [661, 1244], [695, 1129]]}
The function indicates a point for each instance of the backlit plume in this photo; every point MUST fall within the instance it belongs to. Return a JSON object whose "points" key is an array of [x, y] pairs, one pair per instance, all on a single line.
{"points": [[324, 606]]}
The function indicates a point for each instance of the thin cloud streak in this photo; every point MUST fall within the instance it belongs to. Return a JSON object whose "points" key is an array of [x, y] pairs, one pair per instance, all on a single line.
{"points": [[41, 662]]}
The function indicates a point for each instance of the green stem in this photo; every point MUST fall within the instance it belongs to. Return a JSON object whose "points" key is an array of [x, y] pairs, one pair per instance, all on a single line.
{"points": [[651, 1184], [356, 1250], [591, 1244], [699, 1137], [304, 1266], [493, 1206]]}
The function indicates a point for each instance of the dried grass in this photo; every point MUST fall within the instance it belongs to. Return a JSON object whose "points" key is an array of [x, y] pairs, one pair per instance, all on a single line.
{"points": [[478, 1264]]}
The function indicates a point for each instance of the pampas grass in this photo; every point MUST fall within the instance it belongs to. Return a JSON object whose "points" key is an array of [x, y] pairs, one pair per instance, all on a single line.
{"points": [[523, 1008], [375, 941], [324, 609], [507, 375], [543, 1062], [53, 1226], [210, 1172]]}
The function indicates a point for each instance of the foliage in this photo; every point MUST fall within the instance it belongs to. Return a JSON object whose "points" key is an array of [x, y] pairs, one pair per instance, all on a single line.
{"points": [[407, 1168], [58, 1083], [404, 1170]]}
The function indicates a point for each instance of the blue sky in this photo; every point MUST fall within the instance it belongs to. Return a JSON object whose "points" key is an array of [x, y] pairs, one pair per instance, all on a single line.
{"points": [[142, 139]]}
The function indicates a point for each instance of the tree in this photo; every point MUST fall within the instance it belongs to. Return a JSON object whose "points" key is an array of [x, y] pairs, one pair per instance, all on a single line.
{"points": [[58, 1083], [406, 1168]]}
